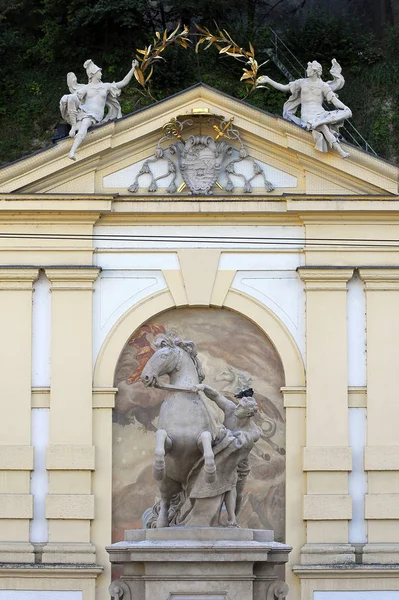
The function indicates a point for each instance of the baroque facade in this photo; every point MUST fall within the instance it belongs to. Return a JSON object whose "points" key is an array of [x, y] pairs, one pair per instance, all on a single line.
{"points": [[288, 275]]}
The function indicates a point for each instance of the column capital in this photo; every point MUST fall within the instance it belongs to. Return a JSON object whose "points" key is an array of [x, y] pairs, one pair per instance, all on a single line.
{"points": [[72, 278], [18, 278], [325, 278], [380, 278]]}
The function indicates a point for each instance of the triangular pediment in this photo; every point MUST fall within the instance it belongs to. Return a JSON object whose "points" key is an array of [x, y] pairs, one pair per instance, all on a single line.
{"points": [[112, 156]]}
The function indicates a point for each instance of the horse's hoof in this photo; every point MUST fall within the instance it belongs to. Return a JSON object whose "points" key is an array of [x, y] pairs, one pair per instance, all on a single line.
{"points": [[162, 523], [210, 474]]}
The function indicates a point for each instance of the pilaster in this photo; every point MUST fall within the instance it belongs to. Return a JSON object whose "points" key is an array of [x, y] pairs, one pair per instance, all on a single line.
{"points": [[16, 452], [101, 528], [326, 457], [382, 445], [70, 457], [295, 422]]}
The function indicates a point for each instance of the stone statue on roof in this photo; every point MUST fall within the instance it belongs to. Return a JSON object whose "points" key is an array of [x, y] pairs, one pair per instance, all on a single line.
{"points": [[86, 103], [310, 93]]}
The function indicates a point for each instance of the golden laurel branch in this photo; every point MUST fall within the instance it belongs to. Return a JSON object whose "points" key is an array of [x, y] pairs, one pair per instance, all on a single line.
{"points": [[227, 46], [152, 53]]}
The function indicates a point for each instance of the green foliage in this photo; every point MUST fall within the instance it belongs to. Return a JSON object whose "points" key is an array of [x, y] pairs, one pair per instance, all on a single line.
{"points": [[41, 40]]}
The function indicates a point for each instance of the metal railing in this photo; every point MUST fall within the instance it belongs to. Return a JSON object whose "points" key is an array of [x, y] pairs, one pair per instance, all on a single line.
{"points": [[282, 56]]}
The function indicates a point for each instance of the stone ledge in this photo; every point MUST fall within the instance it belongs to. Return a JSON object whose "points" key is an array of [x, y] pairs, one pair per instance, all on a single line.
{"points": [[213, 544], [345, 571], [319, 279], [104, 397], [16, 506], [327, 554], [70, 457], [72, 278], [70, 506], [323, 458], [15, 278], [381, 458], [294, 397], [327, 507], [385, 554], [199, 534], [18, 552], [52, 571], [68, 553], [381, 506], [16, 458]]}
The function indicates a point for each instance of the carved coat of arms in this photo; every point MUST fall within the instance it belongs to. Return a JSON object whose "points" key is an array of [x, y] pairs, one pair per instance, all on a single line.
{"points": [[200, 159]]}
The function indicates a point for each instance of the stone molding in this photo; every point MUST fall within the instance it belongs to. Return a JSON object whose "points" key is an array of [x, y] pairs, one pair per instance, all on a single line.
{"points": [[381, 506], [104, 397], [294, 397], [327, 507], [51, 571], [325, 279], [18, 278], [327, 458], [16, 552], [380, 279], [327, 554], [384, 554], [69, 553], [16, 506], [73, 278], [70, 506], [70, 457], [346, 571], [381, 458], [16, 458]]}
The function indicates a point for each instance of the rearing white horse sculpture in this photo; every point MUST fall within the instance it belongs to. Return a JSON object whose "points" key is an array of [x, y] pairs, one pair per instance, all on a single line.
{"points": [[185, 426]]}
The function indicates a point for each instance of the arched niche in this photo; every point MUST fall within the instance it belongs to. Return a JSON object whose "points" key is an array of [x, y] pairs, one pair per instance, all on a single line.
{"points": [[235, 353]]}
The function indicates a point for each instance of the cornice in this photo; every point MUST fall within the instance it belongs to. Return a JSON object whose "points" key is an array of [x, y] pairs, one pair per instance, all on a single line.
{"points": [[53, 571], [321, 279], [380, 279], [346, 571], [13, 278], [72, 278]]}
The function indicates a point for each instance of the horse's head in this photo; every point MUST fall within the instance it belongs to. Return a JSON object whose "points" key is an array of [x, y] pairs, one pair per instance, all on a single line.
{"points": [[226, 375], [169, 358], [162, 362]]}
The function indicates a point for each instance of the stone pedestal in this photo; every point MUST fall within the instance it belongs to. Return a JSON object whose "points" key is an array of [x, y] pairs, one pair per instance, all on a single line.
{"points": [[204, 563]]}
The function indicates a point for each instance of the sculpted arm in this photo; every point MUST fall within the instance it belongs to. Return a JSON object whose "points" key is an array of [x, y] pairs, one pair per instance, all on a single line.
{"points": [[126, 80], [278, 86], [337, 103], [225, 405], [331, 97]]}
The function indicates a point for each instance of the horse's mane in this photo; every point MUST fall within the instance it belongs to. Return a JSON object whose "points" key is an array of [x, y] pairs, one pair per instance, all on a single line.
{"points": [[171, 340]]}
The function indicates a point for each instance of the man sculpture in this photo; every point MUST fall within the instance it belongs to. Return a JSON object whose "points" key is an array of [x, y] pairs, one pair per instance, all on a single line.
{"points": [[310, 93], [86, 103], [238, 424]]}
